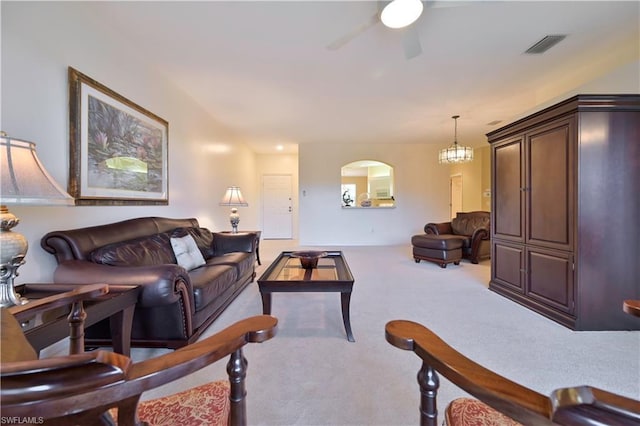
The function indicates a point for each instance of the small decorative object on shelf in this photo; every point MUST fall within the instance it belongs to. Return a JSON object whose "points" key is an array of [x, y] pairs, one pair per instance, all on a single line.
{"points": [[346, 199], [364, 200], [309, 259]]}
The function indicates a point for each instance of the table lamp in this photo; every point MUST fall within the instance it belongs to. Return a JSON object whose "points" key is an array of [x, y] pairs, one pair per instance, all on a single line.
{"points": [[23, 181], [233, 197]]}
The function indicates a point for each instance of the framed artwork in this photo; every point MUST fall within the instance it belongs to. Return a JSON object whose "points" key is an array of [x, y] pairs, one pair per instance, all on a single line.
{"points": [[118, 150]]}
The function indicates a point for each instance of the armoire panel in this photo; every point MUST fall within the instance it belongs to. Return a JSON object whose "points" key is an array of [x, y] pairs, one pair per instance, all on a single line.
{"points": [[508, 179], [549, 186]]}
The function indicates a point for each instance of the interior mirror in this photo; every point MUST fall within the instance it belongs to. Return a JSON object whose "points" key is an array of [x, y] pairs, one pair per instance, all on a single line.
{"points": [[366, 184]]}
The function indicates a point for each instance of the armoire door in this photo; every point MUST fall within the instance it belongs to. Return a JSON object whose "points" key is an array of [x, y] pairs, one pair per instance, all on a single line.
{"points": [[508, 199], [550, 278], [550, 185]]}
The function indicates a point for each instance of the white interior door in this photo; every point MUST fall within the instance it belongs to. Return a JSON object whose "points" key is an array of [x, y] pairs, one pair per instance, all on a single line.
{"points": [[456, 195], [277, 210]]}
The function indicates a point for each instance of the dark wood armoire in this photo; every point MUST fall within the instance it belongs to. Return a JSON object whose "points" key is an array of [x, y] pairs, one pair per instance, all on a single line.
{"points": [[565, 228]]}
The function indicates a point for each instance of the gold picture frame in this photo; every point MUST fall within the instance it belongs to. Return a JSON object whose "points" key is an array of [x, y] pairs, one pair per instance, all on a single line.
{"points": [[118, 150]]}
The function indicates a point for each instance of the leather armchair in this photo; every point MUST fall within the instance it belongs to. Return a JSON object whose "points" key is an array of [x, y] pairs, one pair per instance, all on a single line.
{"points": [[473, 228]]}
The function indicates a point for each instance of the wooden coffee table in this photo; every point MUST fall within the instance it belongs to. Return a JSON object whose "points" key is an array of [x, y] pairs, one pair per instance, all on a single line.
{"points": [[286, 274]]}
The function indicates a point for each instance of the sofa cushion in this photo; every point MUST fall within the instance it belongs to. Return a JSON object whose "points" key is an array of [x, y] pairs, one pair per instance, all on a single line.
{"points": [[202, 236], [187, 253], [146, 251], [209, 282], [241, 262]]}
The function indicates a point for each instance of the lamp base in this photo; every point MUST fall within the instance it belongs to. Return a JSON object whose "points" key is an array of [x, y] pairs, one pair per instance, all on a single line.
{"points": [[234, 218], [13, 249], [8, 271]]}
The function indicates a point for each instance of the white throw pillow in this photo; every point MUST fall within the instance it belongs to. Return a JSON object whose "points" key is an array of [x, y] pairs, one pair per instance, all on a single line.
{"points": [[187, 253]]}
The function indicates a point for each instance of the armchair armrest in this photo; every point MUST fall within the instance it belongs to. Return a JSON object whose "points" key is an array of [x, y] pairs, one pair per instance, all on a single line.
{"points": [[574, 405], [14, 345], [438, 228], [480, 234], [83, 386], [582, 405], [504, 395], [81, 293], [188, 359], [160, 284]]}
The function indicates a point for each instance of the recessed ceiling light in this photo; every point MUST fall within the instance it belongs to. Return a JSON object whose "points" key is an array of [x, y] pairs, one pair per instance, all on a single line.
{"points": [[279, 147]]}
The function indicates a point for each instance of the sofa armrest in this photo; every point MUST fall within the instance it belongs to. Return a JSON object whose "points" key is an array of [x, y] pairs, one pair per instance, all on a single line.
{"points": [[438, 228], [224, 242], [480, 234], [161, 284]]}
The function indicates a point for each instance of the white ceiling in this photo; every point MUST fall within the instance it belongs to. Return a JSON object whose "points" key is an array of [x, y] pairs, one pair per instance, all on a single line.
{"points": [[264, 69]]}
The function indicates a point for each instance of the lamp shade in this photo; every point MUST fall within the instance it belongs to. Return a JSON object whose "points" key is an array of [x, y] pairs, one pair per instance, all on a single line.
{"points": [[24, 179], [233, 197]]}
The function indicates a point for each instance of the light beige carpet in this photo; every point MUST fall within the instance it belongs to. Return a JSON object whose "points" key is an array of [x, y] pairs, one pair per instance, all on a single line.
{"points": [[309, 374]]}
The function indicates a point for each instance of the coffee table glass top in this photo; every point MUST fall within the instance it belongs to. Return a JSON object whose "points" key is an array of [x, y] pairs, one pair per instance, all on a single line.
{"points": [[287, 268]]}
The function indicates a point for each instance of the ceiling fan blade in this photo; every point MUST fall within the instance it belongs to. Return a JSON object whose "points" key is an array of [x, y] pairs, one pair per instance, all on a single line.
{"points": [[449, 3], [338, 43], [411, 42]]}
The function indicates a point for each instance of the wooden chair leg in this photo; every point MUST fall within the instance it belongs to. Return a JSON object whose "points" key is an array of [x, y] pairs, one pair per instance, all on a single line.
{"points": [[429, 384], [76, 319], [237, 370]]}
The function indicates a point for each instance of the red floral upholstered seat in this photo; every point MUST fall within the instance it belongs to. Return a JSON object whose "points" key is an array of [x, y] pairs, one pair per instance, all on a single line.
{"points": [[205, 405], [471, 412]]}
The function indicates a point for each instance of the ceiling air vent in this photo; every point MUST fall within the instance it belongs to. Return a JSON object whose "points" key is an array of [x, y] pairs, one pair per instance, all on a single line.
{"points": [[546, 43]]}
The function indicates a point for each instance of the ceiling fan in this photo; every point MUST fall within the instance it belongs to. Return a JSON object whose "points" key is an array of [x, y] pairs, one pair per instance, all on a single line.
{"points": [[405, 13]]}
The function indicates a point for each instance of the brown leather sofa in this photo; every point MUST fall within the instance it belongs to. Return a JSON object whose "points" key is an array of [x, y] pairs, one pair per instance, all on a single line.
{"points": [[472, 228], [175, 305]]}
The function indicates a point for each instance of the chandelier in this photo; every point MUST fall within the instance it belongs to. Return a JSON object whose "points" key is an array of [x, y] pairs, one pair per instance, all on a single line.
{"points": [[455, 153]]}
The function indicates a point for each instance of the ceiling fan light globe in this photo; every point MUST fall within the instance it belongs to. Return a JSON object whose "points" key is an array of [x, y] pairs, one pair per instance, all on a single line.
{"points": [[401, 13]]}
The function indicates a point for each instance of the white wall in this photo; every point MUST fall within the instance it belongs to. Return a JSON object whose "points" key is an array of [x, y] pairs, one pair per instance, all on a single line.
{"points": [[472, 181], [420, 188], [39, 42]]}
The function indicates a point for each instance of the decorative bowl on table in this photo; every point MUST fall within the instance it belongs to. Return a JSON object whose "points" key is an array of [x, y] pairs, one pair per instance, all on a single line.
{"points": [[309, 258]]}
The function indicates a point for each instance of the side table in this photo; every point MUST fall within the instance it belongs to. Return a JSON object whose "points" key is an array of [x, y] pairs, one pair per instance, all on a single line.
{"points": [[118, 305]]}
